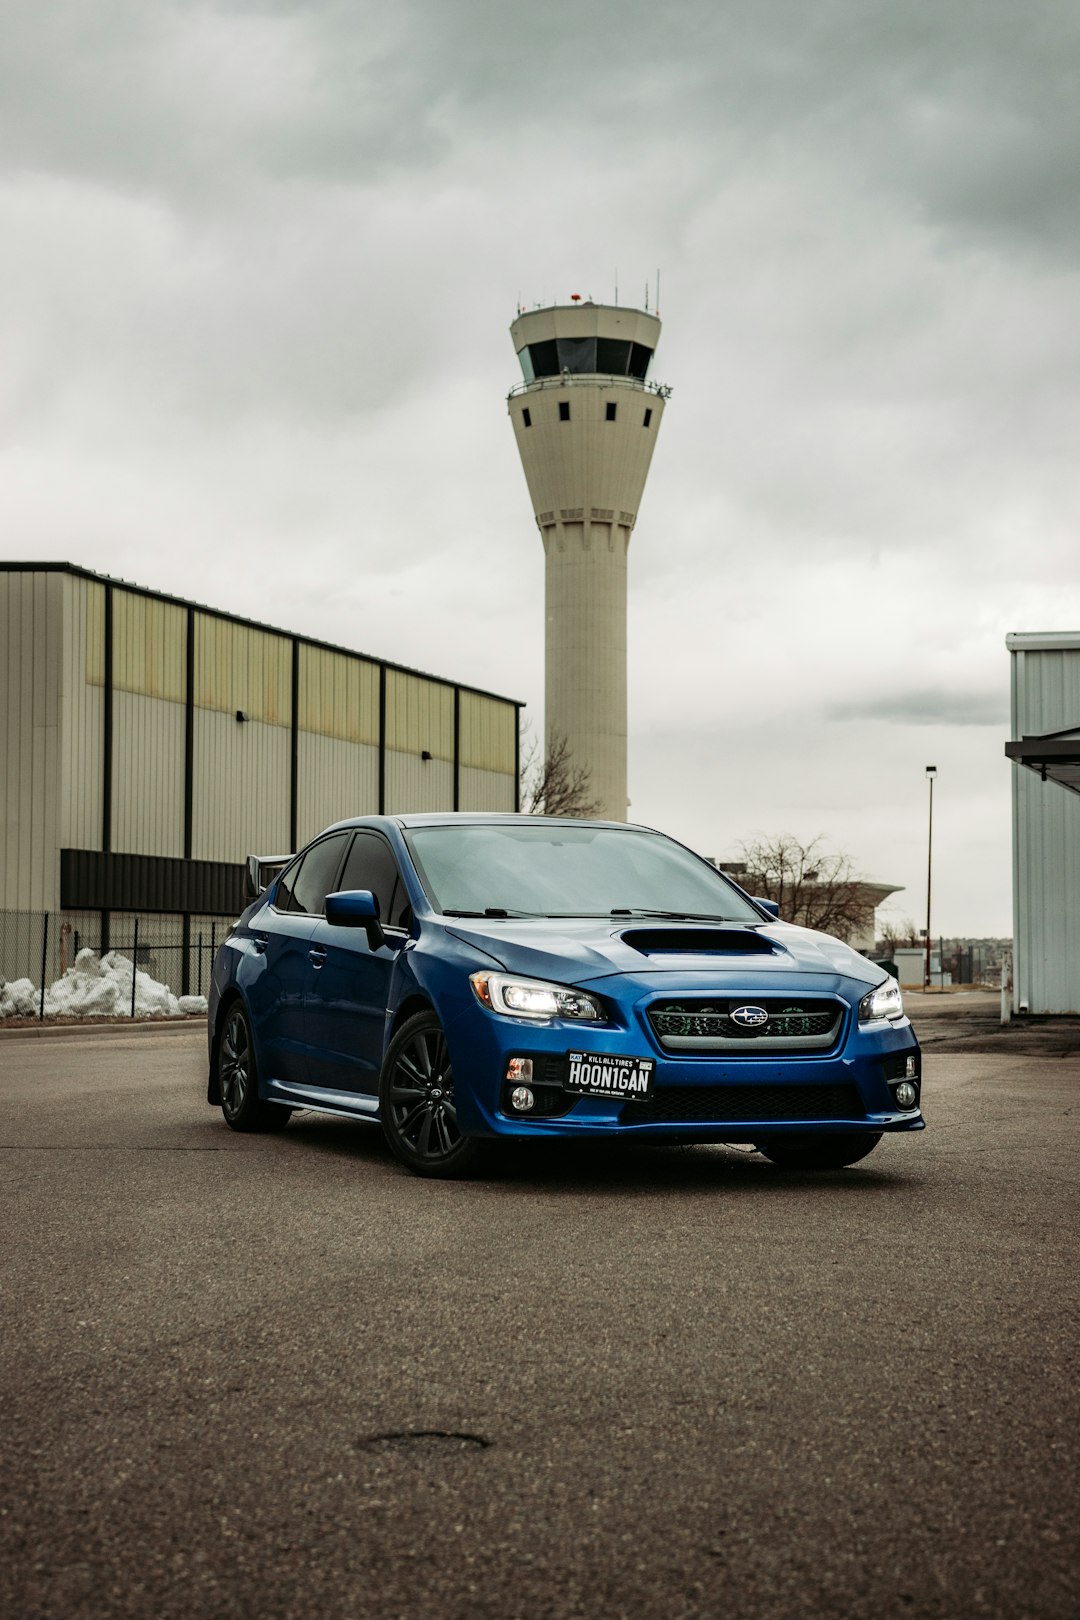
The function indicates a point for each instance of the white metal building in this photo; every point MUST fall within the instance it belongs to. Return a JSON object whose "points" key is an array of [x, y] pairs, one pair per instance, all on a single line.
{"points": [[1045, 749], [148, 743]]}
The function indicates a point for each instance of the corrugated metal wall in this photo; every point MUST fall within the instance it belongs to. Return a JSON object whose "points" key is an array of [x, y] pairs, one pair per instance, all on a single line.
{"points": [[83, 710], [486, 790], [241, 769], [57, 723], [486, 741], [419, 720], [1046, 840], [337, 752], [149, 656], [31, 665]]}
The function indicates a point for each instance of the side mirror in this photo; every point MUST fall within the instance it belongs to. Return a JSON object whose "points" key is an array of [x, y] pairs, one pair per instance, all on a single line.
{"points": [[770, 906], [356, 908]]}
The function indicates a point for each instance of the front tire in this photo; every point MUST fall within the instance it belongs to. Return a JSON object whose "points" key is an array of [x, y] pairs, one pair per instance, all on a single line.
{"points": [[238, 1078], [819, 1152], [417, 1103]]}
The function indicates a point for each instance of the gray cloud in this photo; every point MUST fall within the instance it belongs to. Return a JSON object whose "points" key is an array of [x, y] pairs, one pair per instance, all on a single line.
{"points": [[928, 707], [259, 264]]}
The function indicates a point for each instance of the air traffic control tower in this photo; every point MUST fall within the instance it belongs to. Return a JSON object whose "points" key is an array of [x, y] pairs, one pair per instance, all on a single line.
{"points": [[586, 419]]}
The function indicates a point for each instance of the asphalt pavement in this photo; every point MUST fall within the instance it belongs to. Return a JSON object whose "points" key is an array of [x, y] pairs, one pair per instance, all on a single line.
{"points": [[278, 1376]]}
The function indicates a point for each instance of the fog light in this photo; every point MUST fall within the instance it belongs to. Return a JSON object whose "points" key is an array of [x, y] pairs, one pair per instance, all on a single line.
{"points": [[911, 1070], [906, 1094], [522, 1098], [519, 1069]]}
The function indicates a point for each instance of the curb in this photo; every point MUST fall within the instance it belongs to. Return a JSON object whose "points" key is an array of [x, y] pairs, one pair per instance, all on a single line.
{"points": [[100, 1026]]}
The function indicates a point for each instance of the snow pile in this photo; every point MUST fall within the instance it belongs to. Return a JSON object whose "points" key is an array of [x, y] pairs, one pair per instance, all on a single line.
{"points": [[19, 999], [98, 987]]}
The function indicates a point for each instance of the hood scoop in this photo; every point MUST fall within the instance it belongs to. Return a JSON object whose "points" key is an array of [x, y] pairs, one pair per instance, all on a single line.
{"points": [[699, 942]]}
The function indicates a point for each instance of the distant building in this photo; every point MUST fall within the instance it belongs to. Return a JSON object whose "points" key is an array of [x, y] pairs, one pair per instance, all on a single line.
{"points": [[911, 964], [1045, 750], [150, 743]]}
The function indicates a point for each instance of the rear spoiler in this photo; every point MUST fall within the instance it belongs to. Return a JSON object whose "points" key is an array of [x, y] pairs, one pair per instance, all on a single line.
{"points": [[260, 872]]}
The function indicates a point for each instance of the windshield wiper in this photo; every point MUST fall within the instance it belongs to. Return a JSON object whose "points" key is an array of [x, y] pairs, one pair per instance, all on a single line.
{"points": [[673, 916], [489, 911]]}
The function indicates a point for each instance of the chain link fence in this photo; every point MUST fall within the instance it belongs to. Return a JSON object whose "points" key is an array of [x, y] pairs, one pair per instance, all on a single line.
{"points": [[58, 965]]}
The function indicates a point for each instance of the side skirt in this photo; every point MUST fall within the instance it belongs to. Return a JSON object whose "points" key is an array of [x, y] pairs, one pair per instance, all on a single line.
{"points": [[346, 1104]]}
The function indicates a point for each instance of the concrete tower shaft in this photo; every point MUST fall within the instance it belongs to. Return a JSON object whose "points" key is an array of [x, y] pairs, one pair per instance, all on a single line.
{"points": [[586, 419]]}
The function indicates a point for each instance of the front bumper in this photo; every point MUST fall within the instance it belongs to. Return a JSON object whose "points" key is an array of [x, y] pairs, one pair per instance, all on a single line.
{"points": [[700, 1097]]}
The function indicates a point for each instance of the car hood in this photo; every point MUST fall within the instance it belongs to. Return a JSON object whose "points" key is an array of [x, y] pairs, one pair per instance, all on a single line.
{"points": [[576, 949]]}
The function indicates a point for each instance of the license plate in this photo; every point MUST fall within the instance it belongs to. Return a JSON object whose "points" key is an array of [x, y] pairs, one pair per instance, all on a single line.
{"points": [[595, 1074]]}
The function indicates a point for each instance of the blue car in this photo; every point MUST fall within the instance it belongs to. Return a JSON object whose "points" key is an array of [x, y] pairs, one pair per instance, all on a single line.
{"points": [[462, 978]]}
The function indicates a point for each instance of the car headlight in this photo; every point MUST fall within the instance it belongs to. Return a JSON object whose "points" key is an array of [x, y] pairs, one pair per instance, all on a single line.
{"points": [[884, 1002], [533, 998]]}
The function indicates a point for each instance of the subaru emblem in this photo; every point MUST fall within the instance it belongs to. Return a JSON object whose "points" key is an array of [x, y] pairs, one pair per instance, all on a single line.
{"points": [[749, 1017]]}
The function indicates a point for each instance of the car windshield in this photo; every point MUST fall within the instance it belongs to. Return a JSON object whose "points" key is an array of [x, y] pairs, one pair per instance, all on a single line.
{"points": [[564, 870]]}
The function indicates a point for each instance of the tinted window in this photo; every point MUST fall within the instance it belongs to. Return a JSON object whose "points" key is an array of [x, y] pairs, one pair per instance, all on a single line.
{"points": [[577, 354], [566, 870], [314, 878], [544, 358], [283, 892], [613, 356], [639, 360], [371, 865], [526, 364]]}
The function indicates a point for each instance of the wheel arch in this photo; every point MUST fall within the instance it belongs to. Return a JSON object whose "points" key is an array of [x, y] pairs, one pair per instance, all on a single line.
{"points": [[415, 1002]]}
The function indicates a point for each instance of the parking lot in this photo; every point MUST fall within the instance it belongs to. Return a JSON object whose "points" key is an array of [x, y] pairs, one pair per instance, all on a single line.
{"points": [[278, 1376]]}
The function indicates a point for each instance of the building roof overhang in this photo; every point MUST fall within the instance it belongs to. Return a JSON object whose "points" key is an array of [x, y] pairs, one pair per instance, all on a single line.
{"points": [[1055, 756]]}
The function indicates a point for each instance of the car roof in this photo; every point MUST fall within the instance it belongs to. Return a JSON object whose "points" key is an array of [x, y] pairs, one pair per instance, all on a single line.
{"points": [[481, 818]]}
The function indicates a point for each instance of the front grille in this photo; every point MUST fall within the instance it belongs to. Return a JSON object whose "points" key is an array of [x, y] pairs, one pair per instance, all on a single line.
{"points": [[792, 1024], [673, 1105]]}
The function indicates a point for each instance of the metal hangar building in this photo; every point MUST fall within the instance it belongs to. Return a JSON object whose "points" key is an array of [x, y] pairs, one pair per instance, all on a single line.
{"points": [[1045, 749], [149, 743]]}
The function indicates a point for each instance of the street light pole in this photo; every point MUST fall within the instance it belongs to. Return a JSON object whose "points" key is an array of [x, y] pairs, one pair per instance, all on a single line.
{"points": [[931, 772]]}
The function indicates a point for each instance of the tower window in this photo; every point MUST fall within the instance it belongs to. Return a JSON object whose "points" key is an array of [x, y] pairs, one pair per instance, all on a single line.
{"points": [[639, 360], [612, 356], [564, 410], [576, 354], [609, 411], [526, 416], [543, 360], [648, 417]]}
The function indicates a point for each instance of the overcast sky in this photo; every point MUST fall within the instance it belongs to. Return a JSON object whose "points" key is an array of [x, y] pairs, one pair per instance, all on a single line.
{"points": [[258, 266]]}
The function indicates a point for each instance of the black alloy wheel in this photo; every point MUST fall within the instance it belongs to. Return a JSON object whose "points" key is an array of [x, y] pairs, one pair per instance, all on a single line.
{"points": [[417, 1103], [238, 1080], [819, 1152]]}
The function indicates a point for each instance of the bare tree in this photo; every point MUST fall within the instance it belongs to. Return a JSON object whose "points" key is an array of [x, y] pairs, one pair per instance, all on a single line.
{"points": [[813, 886], [554, 785], [900, 934]]}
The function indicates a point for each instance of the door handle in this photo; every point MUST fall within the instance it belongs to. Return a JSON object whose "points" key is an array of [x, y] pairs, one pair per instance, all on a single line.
{"points": [[260, 942], [317, 955]]}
